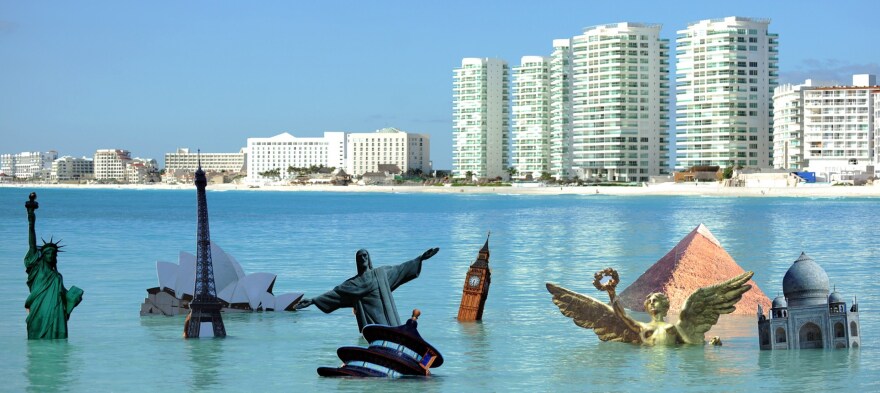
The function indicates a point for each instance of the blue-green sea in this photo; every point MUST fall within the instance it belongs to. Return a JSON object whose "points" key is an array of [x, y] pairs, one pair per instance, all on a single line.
{"points": [[309, 239]]}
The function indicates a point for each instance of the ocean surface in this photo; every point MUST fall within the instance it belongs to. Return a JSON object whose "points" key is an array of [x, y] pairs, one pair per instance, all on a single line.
{"points": [[309, 239]]}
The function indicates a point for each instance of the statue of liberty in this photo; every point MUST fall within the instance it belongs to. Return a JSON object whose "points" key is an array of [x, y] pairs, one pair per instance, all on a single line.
{"points": [[49, 304]]}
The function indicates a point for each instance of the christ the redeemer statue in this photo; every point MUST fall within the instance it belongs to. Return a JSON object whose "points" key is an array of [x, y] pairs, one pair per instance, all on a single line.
{"points": [[370, 291]]}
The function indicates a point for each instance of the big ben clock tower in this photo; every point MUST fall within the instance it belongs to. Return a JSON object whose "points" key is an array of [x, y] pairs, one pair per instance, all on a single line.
{"points": [[476, 287]]}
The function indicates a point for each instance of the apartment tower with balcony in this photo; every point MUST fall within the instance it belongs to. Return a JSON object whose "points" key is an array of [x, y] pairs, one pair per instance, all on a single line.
{"points": [[530, 155], [726, 75], [480, 107], [620, 102], [561, 165]]}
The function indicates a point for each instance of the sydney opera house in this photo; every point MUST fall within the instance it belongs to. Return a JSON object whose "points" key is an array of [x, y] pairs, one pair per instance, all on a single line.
{"points": [[238, 291]]}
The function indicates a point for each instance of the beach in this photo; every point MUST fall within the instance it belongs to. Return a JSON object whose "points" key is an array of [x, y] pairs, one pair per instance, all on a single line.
{"points": [[817, 190]]}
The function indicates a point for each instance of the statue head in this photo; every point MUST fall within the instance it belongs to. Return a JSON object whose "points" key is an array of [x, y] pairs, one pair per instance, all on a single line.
{"points": [[362, 258], [657, 305], [49, 250]]}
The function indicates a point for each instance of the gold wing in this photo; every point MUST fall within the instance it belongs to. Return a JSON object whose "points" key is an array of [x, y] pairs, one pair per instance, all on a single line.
{"points": [[702, 309], [590, 313]]}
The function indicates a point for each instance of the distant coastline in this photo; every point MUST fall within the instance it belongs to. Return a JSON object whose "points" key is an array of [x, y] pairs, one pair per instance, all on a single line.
{"points": [[665, 189]]}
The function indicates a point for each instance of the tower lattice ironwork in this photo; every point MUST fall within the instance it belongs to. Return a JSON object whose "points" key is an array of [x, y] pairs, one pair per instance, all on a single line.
{"points": [[205, 306]]}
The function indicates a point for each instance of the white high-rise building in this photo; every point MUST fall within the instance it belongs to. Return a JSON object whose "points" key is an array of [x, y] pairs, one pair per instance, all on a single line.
{"points": [[366, 151], [560, 110], [726, 74], [531, 117], [826, 128], [110, 164], [480, 118], [28, 165], [788, 124], [69, 168], [183, 159], [620, 99], [284, 151]]}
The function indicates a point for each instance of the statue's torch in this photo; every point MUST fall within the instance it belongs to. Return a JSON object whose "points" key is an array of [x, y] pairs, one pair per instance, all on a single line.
{"points": [[32, 202]]}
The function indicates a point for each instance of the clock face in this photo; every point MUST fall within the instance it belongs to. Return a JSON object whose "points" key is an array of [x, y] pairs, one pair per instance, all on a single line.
{"points": [[474, 280]]}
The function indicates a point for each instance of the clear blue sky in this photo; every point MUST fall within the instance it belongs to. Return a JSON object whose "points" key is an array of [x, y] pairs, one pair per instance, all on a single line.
{"points": [[153, 76]]}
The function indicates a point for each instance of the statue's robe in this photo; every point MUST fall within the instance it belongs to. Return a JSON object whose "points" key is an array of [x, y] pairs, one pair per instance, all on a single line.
{"points": [[369, 292], [49, 303]]}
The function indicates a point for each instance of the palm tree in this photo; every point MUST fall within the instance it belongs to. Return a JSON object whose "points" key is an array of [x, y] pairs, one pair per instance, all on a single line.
{"points": [[469, 175], [512, 172]]}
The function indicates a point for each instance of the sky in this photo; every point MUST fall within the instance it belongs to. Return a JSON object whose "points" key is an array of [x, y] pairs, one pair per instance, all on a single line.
{"points": [[150, 77]]}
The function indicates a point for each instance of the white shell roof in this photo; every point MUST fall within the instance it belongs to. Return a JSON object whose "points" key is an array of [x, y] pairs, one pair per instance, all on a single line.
{"points": [[234, 285]]}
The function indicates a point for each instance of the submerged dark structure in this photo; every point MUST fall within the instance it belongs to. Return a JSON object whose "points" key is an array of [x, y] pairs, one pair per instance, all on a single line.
{"points": [[205, 307], [394, 351]]}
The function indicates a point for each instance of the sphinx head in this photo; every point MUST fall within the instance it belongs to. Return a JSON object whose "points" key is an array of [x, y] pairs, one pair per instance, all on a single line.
{"points": [[657, 305]]}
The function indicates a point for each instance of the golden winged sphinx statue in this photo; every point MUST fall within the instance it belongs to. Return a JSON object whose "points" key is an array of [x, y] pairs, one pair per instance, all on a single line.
{"points": [[611, 323]]}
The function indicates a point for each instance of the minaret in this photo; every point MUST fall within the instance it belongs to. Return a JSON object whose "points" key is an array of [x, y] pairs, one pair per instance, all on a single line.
{"points": [[205, 307]]}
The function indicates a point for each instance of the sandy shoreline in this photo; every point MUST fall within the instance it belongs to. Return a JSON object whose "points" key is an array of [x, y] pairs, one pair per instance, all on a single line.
{"points": [[668, 189]]}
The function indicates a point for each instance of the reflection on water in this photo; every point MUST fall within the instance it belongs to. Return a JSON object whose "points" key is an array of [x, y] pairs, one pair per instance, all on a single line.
{"points": [[48, 365], [206, 360]]}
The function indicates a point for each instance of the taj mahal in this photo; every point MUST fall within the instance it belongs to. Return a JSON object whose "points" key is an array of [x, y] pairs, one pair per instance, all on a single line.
{"points": [[807, 316]]}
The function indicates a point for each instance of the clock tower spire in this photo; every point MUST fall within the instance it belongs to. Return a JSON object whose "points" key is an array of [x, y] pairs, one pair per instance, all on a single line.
{"points": [[476, 286]]}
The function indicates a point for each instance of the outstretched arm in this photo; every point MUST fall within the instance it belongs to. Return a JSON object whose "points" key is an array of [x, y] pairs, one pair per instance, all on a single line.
{"points": [[32, 205], [621, 313], [403, 273]]}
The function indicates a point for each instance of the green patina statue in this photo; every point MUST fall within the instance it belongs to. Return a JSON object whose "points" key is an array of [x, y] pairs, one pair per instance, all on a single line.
{"points": [[611, 323], [369, 292], [49, 304]]}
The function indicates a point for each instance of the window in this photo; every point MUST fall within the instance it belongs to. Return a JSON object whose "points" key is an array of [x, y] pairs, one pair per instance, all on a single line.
{"points": [[780, 335]]}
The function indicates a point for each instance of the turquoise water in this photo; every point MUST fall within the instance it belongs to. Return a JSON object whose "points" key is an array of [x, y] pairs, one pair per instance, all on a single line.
{"points": [[114, 238]]}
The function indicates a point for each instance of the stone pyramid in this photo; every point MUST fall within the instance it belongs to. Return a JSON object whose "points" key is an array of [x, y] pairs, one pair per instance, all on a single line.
{"points": [[696, 261]]}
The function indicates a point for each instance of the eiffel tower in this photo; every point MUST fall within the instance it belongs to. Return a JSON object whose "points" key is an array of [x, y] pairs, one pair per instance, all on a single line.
{"points": [[205, 306]]}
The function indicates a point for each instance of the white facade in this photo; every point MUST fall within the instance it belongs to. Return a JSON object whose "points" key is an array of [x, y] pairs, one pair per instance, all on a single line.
{"points": [[726, 73], [110, 164], [531, 117], [480, 118], [28, 165], [69, 168], [117, 165], [185, 160], [366, 151], [825, 128], [838, 129], [620, 99], [283, 151], [788, 124], [142, 171], [561, 164]]}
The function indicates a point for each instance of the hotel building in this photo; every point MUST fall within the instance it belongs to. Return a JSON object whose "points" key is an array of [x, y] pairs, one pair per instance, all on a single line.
{"points": [[110, 164], [481, 125], [366, 151], [117, 165], [28, 165], [531, 117], [183, 159], [620, 102], [69, 168], [284, 150], [826, 129], [726, 75]]}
